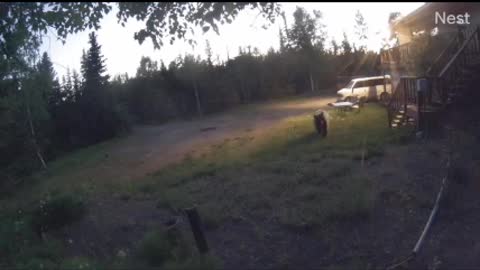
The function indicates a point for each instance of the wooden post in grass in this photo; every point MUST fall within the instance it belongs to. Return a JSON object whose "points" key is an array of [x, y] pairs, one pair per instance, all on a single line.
{"points": [[196, 225], [421, 89], [363, 150]]}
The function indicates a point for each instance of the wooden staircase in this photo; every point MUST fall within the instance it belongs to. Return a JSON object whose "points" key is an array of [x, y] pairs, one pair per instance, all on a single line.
{"points": [[448, 80], [402, 119]]}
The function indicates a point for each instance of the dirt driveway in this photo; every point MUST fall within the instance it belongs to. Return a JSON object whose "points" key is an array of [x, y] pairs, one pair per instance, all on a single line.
{"points": [[150, 148]]}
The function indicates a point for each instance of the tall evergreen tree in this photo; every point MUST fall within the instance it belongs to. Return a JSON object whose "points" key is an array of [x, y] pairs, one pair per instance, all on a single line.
{"points": [[47, 73], [283, 41], [307, 37], [98, 110], [361, 31], [347, 48], [335, 47], [68, 86], [147, 67], [302, 35], [76, 85], [208, 52], [83, 65], [95, 79]]}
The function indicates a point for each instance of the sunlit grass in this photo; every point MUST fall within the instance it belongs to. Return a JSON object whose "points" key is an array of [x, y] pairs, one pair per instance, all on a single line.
{"points": [[285, 174], [295, 136], [286, 170], [288, 174]]}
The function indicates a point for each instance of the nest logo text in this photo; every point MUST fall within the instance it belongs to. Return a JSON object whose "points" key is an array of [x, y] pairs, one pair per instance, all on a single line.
{"points": [[444, 18]]}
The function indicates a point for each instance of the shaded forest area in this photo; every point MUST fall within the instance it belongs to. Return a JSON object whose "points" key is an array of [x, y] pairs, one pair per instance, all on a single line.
{"points": [[43, 116]]}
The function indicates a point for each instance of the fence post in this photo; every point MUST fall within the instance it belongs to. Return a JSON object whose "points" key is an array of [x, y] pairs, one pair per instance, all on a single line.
{"points": [[404, 92], [430, 84], [421, 88], [196, 225]]}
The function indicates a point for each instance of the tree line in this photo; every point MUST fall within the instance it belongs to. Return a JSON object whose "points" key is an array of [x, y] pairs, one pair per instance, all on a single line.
{"points": [[191, 86], [42, 117]]}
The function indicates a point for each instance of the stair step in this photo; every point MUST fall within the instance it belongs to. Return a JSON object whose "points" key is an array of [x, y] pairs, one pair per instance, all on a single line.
{"points": [[474, 62], [468, 71], [457, 88], [397, 125]]}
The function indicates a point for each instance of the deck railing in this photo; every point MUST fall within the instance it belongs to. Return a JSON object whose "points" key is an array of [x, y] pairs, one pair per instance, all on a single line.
{"points": [[447, 81], [404, 94], [444, 76], [398, 54]]}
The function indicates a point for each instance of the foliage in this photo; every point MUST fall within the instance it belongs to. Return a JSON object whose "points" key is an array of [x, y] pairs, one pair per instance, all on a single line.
{"points": [[22, 248], [361, 30], [175, 20], [32, 131], [307, 31], [147, 67], [100, 114], [56, 211], [161, 246], [288, 174], [77, 263], [86, 108], [201, 262], [347, 48]]}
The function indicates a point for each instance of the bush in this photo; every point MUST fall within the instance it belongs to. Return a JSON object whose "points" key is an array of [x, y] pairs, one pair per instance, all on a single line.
{"points": [[354, 200], [196, 262], [159, 247], [54, 212], [77, 263], [14, 234]]}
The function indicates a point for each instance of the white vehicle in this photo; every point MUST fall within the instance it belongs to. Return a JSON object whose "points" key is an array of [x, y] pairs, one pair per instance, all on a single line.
{"points": [[367, 88]]}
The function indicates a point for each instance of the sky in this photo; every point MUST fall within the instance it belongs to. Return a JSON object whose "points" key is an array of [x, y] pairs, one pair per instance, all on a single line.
{"points": [[123, 52]]}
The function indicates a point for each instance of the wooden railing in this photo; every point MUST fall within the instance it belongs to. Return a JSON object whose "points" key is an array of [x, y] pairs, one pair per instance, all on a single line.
{"points": [[449, 51], [398, 54], [404, 94], [446, 81], [444, 76]]}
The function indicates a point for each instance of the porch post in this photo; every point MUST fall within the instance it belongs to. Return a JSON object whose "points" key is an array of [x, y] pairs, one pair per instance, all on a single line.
{"points": [[384, 82], [421, 88]]}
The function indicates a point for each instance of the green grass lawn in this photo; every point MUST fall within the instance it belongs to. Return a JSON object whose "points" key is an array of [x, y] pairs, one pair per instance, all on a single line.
{"points": [[290, 174], [287, 174]]}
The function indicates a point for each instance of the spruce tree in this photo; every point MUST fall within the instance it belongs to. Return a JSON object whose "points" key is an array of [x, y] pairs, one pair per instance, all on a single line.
{"points": [[101, 119], [93, 69], [76, 85]]}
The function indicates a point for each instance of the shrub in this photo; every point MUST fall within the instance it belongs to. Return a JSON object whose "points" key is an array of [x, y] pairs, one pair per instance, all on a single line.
{"points": [[161, 246], [77, 263], [14, 234], [196, 262], [354, 200], [54, 212]]}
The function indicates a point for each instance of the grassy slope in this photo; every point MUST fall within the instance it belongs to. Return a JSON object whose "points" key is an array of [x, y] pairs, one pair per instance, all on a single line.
{"points": [[287, 174]]}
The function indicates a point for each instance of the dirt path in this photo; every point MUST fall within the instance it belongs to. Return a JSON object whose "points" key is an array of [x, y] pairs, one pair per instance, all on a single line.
{"points": [[150, 148]]}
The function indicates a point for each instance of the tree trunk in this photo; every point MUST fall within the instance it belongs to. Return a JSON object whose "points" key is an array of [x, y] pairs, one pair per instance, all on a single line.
{"points": [[34, 138], [311, 82], [197, 99]]}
